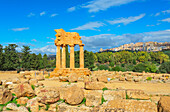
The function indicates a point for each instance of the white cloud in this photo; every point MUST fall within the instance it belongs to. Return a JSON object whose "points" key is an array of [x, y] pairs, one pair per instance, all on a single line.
{"points": [[98, 5], [49, 49], [166, 11], [71, 9], [20, 29], [31, 14], [49, 42], [106, 41], [53, 15], [101, 5], [126, 21], [42, 13], [166, 20], [157, 14], [34, 40], [89, 26]]}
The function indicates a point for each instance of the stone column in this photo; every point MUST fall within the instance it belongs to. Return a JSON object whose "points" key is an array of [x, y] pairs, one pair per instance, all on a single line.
{"points": [[58, 57], [63, 56], [81, 56], [72, 62]]}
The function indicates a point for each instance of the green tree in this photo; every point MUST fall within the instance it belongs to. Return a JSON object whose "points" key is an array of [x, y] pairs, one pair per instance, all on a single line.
{"points": [[67, 58], [45, 60], [34, 61], [40, 62], [26, 58], [1, 57], [77, 59], [11, 60]]}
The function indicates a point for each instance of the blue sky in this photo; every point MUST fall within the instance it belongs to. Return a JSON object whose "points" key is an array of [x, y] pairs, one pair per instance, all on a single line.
{"points": [[100, 23]]}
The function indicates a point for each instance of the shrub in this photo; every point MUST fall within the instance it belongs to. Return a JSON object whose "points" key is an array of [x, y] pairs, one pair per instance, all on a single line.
{"points": [[118, 68], [139, 67], [103, 67], [165, 67]]}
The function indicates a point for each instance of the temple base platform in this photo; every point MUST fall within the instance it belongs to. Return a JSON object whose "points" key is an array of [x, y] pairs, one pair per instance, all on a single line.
{"points": [[66, 71]]}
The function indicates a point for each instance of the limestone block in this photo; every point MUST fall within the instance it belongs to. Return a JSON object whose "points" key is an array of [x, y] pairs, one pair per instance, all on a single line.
{"points": [[137, 94], [5, 96], [22, 90], [48, 95], [40, 77], [22, 100], [74, 95], [122, 79], [112, 94], [73, 77], [22, 109], [94, 85], [102, 79], [67, 108], [164, 104], [12, 106], [131, 105], [93, 98], [33, 81]]}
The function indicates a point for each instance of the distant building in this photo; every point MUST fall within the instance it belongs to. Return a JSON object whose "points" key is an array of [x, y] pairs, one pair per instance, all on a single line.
{"points": [[141, 46]]}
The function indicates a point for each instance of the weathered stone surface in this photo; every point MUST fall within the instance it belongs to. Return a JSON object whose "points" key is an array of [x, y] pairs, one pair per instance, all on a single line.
{"points": [[22, 100], [93, 98], [137, 94], [131, 105], [112, 94], [40, 77], [12, 106], [22, 109], [94, 85], [164, 104], [5, 96], [33, 81], [16, 81], [63, 78], [22, 90], [73, 77], [102, 79], [122, 79], [67, 108], [48, 95], [74, 95], [53, 108], [33, 104], [0, 82], [129, 78]]}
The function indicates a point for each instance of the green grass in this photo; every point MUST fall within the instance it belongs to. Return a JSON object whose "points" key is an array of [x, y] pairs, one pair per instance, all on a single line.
{"points": [[47, 107], [61, 100], [149, 78], [105, 88], [8, 109], [84, 101], [33, 87], [103, 100]]}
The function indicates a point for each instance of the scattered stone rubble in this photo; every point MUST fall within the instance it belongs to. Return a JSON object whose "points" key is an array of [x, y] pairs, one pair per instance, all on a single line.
{"points": [[25, 93]]}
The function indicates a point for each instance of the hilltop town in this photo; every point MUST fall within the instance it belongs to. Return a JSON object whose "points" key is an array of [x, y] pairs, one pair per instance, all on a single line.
{"points": [[141, 46]]}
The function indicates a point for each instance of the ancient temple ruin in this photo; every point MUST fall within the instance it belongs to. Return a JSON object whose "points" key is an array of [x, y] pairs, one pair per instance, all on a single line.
{"points": [[68, 38]]}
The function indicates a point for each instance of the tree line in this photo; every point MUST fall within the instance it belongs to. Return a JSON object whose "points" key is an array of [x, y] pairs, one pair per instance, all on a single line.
{"points": [[11, 59]]}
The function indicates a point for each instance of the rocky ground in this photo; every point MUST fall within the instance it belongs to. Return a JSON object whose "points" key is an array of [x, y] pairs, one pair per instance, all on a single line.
{"points": [[103, 91]]}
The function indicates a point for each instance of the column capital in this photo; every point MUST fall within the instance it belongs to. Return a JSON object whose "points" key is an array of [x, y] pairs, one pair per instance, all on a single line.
{"points": [[81, 45], [71, 45], [57, 44], [63, 45]]}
